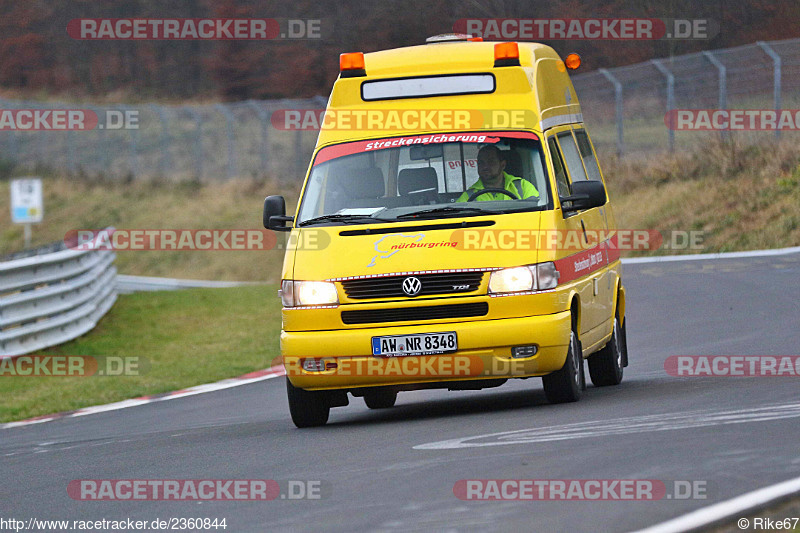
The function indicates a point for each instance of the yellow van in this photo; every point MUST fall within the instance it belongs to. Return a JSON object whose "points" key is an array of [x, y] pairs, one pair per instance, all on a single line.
{"points": [[453, 231]]}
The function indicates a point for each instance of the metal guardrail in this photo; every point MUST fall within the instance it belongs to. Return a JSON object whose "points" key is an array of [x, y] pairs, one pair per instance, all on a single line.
{"points": [[52, 298]]}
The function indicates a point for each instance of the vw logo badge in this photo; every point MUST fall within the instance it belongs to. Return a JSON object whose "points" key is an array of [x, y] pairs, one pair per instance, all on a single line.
{"points": [[412, 286]]}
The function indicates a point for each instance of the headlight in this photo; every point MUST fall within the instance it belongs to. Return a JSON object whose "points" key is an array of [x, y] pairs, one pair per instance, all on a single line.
{"points": [[527, 278], [298, 293], [315, 293], [517, 279]]}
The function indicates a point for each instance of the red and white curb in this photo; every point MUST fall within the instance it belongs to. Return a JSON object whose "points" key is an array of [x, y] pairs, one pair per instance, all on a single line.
{"points": [[252, 377]]}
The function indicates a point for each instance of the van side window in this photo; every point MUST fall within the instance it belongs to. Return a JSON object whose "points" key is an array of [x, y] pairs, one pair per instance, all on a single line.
{"points": [[587, 154], [570, 151], [564, 189]]}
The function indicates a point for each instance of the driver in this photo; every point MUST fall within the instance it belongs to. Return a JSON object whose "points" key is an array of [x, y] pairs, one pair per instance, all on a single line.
{"points": [[491, 170]]}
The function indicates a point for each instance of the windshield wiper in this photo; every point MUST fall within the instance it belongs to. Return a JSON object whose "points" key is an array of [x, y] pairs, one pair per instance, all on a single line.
{"points": [[447, 210], [523, 209], [343, 218]]}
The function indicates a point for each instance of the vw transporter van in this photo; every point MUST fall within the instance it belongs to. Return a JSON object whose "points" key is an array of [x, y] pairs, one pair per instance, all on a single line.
{"points": [[453, 231]]}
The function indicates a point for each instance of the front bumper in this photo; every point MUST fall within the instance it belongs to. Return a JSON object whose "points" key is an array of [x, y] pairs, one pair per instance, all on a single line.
{"points": [[484, 352]]}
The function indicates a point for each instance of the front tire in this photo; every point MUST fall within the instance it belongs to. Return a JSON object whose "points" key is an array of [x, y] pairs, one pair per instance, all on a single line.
{"points": [[606, 366], [567, 384], [382, 399], [308, 408]]}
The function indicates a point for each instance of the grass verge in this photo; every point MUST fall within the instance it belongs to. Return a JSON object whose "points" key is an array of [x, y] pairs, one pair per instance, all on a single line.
{"points": [[237, 204], [184, 338], [737, 196]]}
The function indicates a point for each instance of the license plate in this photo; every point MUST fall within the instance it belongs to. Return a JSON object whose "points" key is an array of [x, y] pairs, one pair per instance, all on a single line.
{"points": [[416, 344]]}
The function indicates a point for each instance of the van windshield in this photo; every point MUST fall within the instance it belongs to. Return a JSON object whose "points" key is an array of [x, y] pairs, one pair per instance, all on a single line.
{"points": [[425, 177]]}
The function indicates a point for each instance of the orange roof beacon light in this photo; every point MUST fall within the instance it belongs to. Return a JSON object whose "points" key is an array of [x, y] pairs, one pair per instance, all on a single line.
{"points": [[506, 55], [351, 65], [572, 61]]}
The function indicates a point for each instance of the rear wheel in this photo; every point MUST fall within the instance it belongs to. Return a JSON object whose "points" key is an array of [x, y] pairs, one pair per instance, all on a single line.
{"points": [[567, 384], [606, 366], [308, 408], [382, 399]]}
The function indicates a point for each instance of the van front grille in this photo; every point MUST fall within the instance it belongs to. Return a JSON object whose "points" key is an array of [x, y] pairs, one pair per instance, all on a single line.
{"points": [[429, 312], [392, 286]]}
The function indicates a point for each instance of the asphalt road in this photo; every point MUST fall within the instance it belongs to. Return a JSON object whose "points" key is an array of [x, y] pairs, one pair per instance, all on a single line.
{"points": [[394, 470]]}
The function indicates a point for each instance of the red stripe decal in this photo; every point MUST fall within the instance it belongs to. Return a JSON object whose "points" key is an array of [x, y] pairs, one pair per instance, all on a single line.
{"points": [[357, 147], [581, 264]]}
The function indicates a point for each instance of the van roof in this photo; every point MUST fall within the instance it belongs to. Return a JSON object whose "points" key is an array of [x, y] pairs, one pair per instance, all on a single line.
{"points": [[540, 84], [446, 56]]}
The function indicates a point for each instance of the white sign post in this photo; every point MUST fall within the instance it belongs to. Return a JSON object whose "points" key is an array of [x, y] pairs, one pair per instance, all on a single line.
{"points": [[27, 206]]}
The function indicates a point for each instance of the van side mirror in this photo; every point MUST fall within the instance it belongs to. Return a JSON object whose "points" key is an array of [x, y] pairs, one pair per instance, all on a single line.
{"points": [[274, 217], [585, 195]]}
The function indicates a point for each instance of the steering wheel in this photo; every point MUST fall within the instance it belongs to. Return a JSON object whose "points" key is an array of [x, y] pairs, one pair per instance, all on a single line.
{"points": [[491, 189]]}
